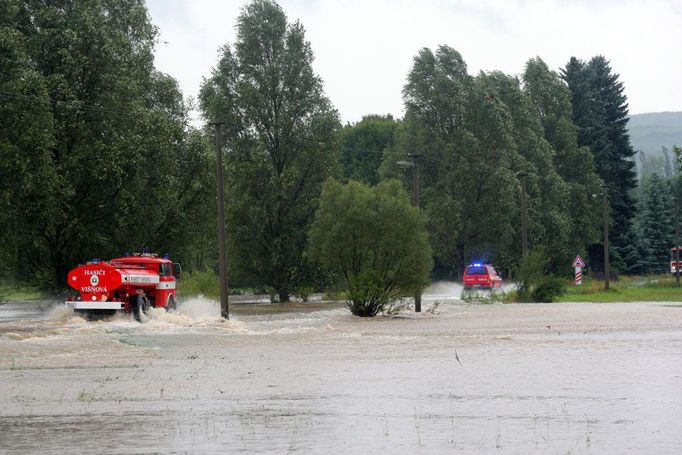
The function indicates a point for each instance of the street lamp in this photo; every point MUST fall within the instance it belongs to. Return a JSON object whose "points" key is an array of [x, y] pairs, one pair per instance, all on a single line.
{"points": [[605, 209], [415, 202]]}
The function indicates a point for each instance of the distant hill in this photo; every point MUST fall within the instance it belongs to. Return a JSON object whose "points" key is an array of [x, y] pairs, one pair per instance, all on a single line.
{"points": [[650, 132]]}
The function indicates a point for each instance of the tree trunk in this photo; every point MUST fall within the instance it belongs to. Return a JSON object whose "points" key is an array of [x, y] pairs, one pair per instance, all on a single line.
{"points": [[283, 295]]}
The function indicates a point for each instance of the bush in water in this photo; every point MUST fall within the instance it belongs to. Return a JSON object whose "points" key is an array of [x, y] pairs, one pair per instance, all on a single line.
{"points": [[529, 273], [548, 289], [375, 239]]}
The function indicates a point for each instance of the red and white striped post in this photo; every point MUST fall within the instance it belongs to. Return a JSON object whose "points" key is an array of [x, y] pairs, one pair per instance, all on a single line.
{"points": [[578, 265]]}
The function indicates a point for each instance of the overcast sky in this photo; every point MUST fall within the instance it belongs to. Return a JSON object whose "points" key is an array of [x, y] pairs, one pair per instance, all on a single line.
{"points": [[364, 48]]}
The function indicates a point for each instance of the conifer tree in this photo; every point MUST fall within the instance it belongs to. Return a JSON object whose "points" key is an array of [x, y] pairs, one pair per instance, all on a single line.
{"points": [[657, 227], [600, 111]]}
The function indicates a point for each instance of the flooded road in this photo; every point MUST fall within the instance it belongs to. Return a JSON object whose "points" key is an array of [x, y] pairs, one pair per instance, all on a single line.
{"points": [[311, 378]]}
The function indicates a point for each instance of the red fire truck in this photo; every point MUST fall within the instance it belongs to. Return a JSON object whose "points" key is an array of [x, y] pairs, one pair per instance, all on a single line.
{"points": [[131, 283]]}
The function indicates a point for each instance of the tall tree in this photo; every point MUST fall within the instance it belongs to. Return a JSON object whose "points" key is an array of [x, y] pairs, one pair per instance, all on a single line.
{"points": [[27, 182], [464, 139], [657, 230], [477, 138], [575, 208], [281, 132], [362, 146], [110, 134], [600, 111]]}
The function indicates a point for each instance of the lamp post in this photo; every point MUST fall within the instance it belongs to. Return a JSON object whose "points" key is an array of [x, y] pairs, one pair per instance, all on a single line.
{"points": [[415, 202], [222, 249]]}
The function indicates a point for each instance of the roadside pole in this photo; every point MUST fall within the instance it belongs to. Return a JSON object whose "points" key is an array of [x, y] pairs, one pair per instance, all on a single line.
{"points": [[606, 240], [578, 265], [222, 249], [415, 201], [677, 243], [524, 216]]}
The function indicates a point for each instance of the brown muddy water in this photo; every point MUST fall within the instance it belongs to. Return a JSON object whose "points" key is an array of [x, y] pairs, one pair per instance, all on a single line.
{"points": [[311, 378]]}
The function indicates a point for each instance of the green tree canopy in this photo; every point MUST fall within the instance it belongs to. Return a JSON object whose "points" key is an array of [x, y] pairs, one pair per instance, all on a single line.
{"points": [[569, 213], [657, 229], [476, 137], [463, 138], [109, 135], [600, 111], [281, 132], [362, 145], [375, 239]]}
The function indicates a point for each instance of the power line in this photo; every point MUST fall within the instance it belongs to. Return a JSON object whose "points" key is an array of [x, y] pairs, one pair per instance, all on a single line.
{"points": [[76, 104]]}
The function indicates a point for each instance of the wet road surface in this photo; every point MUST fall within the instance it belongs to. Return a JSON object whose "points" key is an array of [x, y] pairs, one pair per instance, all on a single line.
{"points": [[311, 378]]}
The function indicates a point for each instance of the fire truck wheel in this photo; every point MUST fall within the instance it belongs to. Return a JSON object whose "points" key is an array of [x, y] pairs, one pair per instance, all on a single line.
{"points": [[140, 306], [171, 305]]}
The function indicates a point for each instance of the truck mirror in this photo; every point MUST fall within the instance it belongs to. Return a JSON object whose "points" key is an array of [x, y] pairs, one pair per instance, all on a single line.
{"points": [[177, 270]]}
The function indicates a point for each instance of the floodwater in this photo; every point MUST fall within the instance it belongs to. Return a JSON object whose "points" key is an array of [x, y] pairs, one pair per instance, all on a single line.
{"points": [[311, 378]]}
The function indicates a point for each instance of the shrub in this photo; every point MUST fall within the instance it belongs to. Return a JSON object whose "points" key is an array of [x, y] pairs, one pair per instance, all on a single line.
{"points": [[530, 273], [375, 239], [548, 289]]}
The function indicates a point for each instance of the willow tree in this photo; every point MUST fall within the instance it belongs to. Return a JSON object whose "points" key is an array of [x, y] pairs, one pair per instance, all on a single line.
{"points": [[576, 213], [280, 131], [470, 192], [100, 135]]}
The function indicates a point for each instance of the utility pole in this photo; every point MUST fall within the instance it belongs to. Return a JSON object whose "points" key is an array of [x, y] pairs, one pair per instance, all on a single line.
{"points": [[222, 249], [415, 202], [524, 215], [606, 239], [677, 241]]}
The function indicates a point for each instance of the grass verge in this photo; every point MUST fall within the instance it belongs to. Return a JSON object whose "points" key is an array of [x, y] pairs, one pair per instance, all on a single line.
{"points": [[10, 291], [207, 283], [659, 288], [200, 283]]}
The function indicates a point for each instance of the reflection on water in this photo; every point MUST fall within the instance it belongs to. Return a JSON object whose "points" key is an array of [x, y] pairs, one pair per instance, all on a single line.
{"points": [[310, 378]]}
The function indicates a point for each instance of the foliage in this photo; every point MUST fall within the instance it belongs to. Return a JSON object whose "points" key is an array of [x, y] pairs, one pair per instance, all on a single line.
{"points": [[568, 215], [657, 231], [548, 289], [653, 288], [200, 282], [677, 151], [375, 239], [476, 136], [362, 145], [661, 163], [634, 255], [467, 152], [530, 274], [280, 131], [600, 111], [13, 292], [94, 141]]}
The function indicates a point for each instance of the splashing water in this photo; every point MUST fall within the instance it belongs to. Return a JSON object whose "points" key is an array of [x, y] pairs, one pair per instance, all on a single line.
{"points": [[443, 290], [61, 320]]}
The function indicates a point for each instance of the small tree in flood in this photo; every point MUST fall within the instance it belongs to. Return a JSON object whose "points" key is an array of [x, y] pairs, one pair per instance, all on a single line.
{"points": [[375, 239]]}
